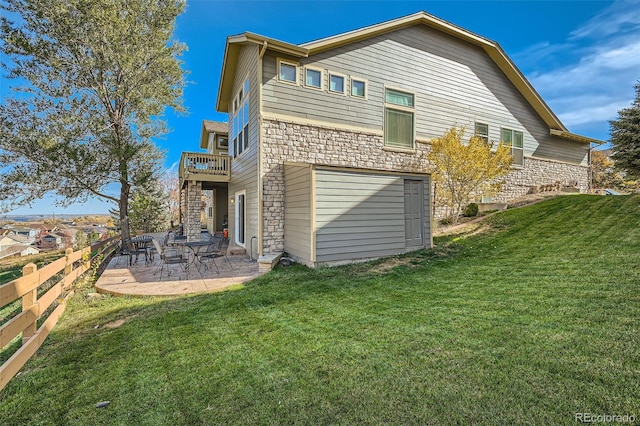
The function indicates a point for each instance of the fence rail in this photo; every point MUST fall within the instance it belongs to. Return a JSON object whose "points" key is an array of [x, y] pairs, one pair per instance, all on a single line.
{"points": [[73, 264]]}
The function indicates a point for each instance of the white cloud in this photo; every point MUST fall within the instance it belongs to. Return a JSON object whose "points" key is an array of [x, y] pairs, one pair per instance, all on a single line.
{"points": [[601, 112], [620, 17], [173, 168], [617, 61], [589, 91]]}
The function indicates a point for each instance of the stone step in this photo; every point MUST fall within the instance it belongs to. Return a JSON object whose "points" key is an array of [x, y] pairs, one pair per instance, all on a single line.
{"points": [[237, 251]]}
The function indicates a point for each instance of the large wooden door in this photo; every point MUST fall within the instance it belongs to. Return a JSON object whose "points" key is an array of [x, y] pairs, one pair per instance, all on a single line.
{"points": [[413, 212]]}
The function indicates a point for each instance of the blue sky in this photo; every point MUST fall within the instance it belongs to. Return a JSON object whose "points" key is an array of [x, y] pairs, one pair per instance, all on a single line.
{"points": [[583, 57]]}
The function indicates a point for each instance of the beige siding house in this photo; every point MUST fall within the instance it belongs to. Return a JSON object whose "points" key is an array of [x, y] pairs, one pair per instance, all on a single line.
{"points": [[325, 138]]}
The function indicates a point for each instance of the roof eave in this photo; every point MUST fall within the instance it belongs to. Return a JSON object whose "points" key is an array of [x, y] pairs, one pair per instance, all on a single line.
{"points": [[393, 25], [204, 134], [230, 61], [204, 137], [575, 137]]}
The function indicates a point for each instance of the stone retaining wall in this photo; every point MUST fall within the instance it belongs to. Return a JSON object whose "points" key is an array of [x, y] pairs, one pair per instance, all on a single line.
{"points": [[538, 172]]}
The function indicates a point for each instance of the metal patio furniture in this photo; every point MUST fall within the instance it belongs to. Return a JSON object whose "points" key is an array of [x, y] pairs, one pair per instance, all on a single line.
{"points": [[171, 256]]}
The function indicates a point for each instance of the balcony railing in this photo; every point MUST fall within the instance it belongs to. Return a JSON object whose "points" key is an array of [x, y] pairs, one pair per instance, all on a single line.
{"points": [[206, 167]]}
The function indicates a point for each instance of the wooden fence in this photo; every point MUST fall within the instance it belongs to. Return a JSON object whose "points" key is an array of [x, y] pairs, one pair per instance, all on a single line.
{"points": [[73, 264]]}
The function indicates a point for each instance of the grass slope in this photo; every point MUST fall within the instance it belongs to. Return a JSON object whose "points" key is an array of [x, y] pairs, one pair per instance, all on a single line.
{"points": [[532, 320]]}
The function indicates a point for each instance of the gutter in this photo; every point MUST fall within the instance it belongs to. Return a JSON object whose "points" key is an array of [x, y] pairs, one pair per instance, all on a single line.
{"points": [[575, 137]]}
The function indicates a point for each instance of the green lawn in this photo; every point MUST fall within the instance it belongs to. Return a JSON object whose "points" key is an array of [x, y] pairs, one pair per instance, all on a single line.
{"points": [[11, 268], [528, 320]]}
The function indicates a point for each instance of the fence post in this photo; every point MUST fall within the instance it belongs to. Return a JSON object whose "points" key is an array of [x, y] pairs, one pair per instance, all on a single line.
{"points": [[86, 256], [28, 300], [68, 267]]}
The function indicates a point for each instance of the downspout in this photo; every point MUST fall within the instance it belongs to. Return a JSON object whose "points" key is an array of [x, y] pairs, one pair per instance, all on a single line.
{"points": [[261, 53], [263, 49], [590, 174]]}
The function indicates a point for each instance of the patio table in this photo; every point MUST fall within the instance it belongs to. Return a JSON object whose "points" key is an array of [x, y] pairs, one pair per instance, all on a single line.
{"points": [[195, 247]]}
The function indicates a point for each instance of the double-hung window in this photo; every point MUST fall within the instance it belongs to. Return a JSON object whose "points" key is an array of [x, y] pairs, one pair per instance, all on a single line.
{"points": [[399, 112], [239, 131], [514, 139], [482, 130]]}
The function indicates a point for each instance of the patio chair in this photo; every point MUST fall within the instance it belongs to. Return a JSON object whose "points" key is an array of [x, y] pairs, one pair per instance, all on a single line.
{"points": [[138, 247], [129, 250], [171, 256], [209, 252], [153, 250], [223, 249], [120, 252], [219, 251]]}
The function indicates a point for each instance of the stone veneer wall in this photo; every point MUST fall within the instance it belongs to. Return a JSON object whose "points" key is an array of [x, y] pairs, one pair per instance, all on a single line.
{"points": [[193, 210], [284, 141], [537, 171]]}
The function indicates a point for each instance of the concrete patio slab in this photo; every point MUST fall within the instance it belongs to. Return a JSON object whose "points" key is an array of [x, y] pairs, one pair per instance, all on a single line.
{"points": [[142, 279]]}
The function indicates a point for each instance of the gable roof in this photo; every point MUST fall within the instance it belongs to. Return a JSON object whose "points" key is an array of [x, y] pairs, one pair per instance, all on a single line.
{"points": [[215, 127], [21, 239], [492, 48]]}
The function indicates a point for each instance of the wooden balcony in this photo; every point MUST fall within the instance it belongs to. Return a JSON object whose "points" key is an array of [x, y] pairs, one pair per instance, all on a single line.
{"points": [[204, 167]]}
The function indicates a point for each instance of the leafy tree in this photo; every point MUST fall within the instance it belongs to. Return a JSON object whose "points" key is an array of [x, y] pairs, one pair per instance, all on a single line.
{"points": [[603, 174], [149, 210], [625, 138], [170, 186], [462, 171], [92, 237], [92, 79], [81, 240]]}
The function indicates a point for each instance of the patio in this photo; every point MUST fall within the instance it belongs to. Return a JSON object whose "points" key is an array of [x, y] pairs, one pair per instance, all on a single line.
{"points": [[142, 279]]}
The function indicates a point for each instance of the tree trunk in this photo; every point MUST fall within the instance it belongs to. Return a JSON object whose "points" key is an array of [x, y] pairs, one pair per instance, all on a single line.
{"points": [[123, 206]]}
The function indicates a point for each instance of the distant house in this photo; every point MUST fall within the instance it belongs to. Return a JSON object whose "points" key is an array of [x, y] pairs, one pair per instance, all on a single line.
{"points": [[323, 155], [10, 239], [51, 241], [96, 232], [30, 233], [5, 231], [18, 250], [41, 228], [69, 236], [12, 244], [26, 251]]}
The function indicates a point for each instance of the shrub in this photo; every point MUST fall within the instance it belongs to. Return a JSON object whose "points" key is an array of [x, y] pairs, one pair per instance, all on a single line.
{"points": [[446, 221], [471, 210]]}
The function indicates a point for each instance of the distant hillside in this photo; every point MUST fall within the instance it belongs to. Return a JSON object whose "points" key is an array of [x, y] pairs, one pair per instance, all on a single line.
{"points": [[100, 218]]}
